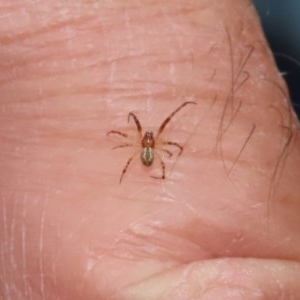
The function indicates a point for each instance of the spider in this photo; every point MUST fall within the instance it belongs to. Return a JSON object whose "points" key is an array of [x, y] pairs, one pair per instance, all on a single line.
{"points": [[148, 142]]}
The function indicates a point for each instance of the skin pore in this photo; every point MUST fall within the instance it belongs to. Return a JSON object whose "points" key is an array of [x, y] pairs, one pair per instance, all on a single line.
{"points": [[223, 224]]}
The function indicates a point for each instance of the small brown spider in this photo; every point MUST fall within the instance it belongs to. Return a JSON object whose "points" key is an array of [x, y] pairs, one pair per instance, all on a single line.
{"points": [[148, 142]]}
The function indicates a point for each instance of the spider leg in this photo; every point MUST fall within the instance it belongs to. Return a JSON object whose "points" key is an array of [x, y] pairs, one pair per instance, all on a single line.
{"points": [[125, 168], [174, 144], [137, 123], [117, 132], [162, 168], [122, 146], [168, 119], [127, 164]]}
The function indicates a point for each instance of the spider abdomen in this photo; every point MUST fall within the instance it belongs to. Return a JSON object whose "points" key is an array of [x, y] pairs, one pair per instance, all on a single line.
{"points": [[147, 156]]}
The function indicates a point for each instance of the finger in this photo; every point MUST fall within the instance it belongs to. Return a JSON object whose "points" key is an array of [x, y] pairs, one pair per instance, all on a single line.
{"points": [[229, 278]]}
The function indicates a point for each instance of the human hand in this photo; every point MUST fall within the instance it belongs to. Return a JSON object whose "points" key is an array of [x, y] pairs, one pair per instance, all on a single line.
{"points": [[224, 224]]}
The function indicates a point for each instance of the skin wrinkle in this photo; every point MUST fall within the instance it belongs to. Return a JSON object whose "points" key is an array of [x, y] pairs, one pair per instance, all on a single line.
{"points": [[156, 235], [12, 232], [24, 252], [41, 250], [149, 242], [60, 126], [3, 248]]}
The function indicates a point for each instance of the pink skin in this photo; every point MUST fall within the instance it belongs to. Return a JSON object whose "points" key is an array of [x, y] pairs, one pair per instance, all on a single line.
{"points": [[224, 224]]}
